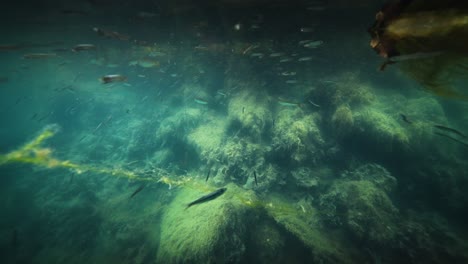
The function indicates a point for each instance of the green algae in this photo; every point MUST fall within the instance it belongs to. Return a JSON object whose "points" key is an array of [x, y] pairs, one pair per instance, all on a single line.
{"points": [[211, 232]]}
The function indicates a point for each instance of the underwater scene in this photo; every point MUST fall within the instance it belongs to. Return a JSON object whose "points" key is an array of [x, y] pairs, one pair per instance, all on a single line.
{"points": [[234, 131]]}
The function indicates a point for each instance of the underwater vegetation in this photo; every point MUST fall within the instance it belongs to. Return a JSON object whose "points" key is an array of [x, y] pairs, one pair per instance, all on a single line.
{"points": [[242, 136]]}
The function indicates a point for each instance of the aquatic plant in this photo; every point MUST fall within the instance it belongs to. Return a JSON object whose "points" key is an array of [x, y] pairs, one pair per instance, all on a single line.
{"points": [[33, 153]]}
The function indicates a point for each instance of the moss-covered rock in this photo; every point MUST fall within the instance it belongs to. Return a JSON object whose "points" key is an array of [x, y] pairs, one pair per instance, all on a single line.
{"points": [[211, 232], [302, 222], [360, 202], [251, 110], [297, 137], [380, 128]]}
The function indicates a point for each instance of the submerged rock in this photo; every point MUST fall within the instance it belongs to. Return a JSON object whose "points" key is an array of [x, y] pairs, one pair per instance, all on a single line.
{"points": [[238, 227], [359, 201], [211, 232]]}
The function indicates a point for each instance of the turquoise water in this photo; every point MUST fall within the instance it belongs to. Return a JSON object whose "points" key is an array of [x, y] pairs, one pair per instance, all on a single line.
{"points": [[325, 158]]}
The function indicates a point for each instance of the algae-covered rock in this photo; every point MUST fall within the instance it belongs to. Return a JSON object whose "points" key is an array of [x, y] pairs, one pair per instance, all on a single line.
{"points": [[211, 232], [251, 110], [374, 127], [207, 138], [342, 120], [374, 173], [302, 222], [297, 136], [360, 202]]}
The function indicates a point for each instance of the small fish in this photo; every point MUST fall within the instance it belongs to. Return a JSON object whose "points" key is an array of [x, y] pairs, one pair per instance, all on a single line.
{"points": [[243, 109], [109, 118], [451, 138], [257, 55], [291, 81], [305, 59], [208, 175], [33, 116], [313, 44], [211, 196], [201, 101], [137, 191], [221, 93], [277, 54], [112, 78], [83, 47], [255, 177], [249, 48], [110, 34], [405, 118], [451, 130], [314, 104], [39, 55], [288, 73], [286, 60]]}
